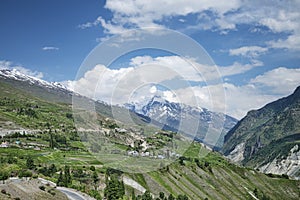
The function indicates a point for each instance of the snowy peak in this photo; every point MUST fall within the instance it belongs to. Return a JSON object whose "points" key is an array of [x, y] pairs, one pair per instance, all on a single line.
{"points": [[160, 104], [17, 75], [173, 114]]}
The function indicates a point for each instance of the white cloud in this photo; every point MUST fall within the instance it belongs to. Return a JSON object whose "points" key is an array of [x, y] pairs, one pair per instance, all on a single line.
{"points": [[239, 99], [278, 81], [248, 51], [98, 83], [278, 16], [261, 90], [292, 42], [50, 48], [285, 20], [140, 81], [90, 24], [10, 65], [177, 66], [188, 69], [141, 13], [238, 68]]}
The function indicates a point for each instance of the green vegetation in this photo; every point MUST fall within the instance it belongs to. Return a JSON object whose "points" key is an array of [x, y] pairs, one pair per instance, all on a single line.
{"points": [[52, 148]]}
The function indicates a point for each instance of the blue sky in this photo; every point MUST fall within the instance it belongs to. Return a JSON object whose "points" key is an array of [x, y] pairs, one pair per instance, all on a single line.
{"points": [[255, 44]]}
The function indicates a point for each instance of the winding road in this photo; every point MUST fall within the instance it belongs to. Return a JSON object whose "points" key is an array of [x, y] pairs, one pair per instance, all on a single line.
{"points": [[72, 195]]}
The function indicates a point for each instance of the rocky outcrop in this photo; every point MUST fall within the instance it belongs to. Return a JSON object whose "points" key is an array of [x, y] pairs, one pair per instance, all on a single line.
{"points": [[289, 165], [237, 155]]}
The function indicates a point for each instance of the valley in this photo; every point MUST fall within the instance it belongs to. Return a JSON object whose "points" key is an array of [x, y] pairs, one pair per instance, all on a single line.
{"points": [[39, 140]]}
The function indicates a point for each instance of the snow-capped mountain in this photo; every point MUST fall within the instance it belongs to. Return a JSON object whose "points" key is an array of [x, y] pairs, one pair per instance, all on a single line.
{"points": [[200, 123], [17, 75]]}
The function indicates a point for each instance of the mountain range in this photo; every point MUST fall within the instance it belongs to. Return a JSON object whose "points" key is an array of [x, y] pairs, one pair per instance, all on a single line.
{"points": [[198, 123], [195, 122], [43, 108]]}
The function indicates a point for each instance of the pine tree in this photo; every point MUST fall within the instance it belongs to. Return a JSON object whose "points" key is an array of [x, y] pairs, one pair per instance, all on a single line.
{"points": [[67, 178], [30, 163]]}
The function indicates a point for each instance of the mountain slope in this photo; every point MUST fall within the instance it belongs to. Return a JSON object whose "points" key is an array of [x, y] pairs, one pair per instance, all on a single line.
{"points": [[15, 84], [198, 123], [212, 177], [268, 135]]}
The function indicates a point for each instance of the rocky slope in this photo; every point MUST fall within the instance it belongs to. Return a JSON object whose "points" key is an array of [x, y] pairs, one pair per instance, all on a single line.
{"points": [[268, 138]]}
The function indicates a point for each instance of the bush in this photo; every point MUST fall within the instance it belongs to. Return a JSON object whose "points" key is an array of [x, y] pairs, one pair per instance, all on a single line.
{"points": [[95, 194], [42, 187], [25, 173], [52, 192]]}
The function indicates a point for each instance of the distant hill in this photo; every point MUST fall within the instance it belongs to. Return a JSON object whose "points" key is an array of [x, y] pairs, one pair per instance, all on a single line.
{"points": [[268, 138]]}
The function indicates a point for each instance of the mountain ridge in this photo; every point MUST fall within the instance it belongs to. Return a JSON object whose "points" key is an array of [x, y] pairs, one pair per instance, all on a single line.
{"points": [[177, 116], [275, 125]]}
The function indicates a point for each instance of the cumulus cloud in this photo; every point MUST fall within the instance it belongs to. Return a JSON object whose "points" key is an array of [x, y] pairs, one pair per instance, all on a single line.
{"points": [[223, 16], [292, 42], [98, 83], [261, 90], [147, 76], [141, 13], [278, 81], [11, 66], [248, 51], [190, 70], [50, 48], [238, 68]]}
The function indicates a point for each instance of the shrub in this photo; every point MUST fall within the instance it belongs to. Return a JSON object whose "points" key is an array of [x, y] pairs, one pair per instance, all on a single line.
{"points": [[42, 187]]}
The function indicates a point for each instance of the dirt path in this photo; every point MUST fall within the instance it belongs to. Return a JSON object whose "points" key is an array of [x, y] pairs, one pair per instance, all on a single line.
{"points": [[132, 183]]}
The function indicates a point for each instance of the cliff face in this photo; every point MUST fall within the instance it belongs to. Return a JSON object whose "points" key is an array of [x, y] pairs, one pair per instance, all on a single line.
{"points": [[268, 138], [289, 165]]}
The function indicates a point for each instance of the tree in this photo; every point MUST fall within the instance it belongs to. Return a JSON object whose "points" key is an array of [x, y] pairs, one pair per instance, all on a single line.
{"points": [[25, 173], [92, 168], [51, 142], [95, 178], [67, 177], [171, 197], [4, 175], [95, 194], [30, 163], [133, 195], [161, 195], [147, 196], [60, 180], [114, 188], [181, 160], [52, 169]]}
